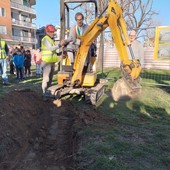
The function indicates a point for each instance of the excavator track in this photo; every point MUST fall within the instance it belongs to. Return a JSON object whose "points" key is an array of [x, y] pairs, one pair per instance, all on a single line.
{"points": [[94, 94], [53, 91]]}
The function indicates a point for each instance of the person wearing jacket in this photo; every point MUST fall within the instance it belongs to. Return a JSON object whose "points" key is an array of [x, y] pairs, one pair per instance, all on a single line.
{"points": [[18, 60], [27, 63], [72, 41], [3, 61], [48, 56], [37, 60], [137, 47]]}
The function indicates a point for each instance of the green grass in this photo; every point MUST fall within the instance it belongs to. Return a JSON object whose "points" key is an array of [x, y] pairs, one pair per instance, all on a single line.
{"points": [[110, 74], [156, 76], [137, 139]]}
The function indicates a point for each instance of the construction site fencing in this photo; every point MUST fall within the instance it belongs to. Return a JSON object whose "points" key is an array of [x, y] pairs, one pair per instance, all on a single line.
{"points": [[154, 72]]}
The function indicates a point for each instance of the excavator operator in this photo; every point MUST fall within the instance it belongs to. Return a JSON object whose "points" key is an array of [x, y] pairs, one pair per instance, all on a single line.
{"points": [[72, 42]]}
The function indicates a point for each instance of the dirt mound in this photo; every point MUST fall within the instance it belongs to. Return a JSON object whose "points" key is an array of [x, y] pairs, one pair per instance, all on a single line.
{"points": [[34, 134]]}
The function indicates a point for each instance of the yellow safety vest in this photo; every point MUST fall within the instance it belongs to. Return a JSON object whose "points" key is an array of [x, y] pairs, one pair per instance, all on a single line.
{"points": [[2, 49], [47, 55]]}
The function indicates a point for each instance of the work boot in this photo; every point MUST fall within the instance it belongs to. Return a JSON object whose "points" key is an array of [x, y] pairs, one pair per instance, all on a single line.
{"points": [[45, 98], [5, 82]]}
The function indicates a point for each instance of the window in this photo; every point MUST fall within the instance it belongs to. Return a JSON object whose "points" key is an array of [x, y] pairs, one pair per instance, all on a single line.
{"points": [[15, 32], [2, 12], [15, 15], [25, 2], [24, 33], [3, 29], [24, 17]]}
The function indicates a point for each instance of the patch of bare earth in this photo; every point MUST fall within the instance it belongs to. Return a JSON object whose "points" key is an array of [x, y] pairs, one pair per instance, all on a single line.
{"points": [[38, 135], [35, 134]]}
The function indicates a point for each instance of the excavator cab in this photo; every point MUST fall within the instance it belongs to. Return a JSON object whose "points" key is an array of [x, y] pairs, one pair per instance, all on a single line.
{"points": [[68, 10]]}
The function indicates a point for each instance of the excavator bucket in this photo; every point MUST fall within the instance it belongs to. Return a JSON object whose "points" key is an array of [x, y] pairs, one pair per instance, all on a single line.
{"points": [[124, 91], [128, 86]]}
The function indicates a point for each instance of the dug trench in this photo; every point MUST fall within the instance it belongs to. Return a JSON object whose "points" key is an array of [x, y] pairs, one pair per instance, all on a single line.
{"points": [[36, 135], [39, 135]]}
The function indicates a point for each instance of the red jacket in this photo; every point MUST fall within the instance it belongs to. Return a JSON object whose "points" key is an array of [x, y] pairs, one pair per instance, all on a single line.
{"points": [[37, 57]]}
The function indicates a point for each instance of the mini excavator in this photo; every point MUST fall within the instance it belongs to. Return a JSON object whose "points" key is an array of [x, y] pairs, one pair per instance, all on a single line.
{"points": [[77, 80]]}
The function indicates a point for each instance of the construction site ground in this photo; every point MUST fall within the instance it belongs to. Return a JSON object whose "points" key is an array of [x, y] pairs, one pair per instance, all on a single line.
{"points": [[37, 134], [42, 135]]}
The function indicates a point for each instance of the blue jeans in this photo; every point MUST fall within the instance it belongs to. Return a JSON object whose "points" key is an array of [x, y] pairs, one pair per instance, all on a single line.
{"points": [[38, 69], [3, 69]]}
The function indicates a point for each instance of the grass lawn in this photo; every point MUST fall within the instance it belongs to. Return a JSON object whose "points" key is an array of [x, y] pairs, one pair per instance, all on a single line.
{"points": [[138, 137]]}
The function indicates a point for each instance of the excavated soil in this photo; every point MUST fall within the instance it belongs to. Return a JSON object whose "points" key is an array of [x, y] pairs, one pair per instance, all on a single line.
{"points": [[35, 135], [38, 135]]}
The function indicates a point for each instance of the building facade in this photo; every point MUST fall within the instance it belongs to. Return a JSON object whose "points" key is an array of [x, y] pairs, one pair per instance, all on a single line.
{"points": [[40, 33], [16, 22]]}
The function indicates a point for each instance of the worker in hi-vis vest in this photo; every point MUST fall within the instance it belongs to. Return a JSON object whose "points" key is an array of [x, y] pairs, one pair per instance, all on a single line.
{"points": [[49, 57], [4, 50]]}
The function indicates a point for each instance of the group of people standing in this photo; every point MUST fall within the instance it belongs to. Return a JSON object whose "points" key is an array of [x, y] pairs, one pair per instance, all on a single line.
{"points": [[20, 61]]}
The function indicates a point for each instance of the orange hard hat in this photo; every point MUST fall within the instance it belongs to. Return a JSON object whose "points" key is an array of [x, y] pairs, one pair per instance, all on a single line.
{"points": [[50, 28]]}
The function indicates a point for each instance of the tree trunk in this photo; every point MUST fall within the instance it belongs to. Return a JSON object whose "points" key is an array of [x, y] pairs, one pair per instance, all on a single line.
{"points": [[101, 52]]}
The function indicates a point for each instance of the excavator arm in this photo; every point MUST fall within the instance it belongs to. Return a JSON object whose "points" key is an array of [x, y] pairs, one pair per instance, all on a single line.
{"points": [[114, 20]]}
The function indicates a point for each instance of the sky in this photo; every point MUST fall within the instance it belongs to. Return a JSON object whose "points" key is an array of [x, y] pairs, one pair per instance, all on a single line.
{"points": [[48, 12], [162, 7]]}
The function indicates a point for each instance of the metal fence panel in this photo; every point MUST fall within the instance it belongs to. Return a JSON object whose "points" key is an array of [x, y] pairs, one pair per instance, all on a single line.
{"points": [[156, 72]]}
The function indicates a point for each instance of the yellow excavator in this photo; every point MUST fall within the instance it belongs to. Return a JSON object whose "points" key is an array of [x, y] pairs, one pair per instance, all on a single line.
{"points": [[77, 80]]}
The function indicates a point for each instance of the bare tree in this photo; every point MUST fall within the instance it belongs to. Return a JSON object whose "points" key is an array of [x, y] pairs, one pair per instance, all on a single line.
{"points": [[137, 14], [89, 11], [101, 6]]}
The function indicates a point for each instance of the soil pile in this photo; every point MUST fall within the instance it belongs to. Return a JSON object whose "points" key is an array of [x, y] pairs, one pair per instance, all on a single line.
{"points": [[38, 135], [35, 135]]}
